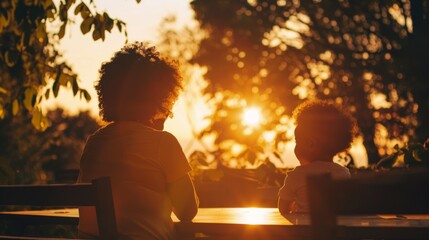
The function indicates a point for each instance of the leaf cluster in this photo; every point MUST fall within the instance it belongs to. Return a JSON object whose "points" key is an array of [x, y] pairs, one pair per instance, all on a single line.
{"points": [[204, 170], [290, 51], [31, 68], [29, 156], [411, 155]]}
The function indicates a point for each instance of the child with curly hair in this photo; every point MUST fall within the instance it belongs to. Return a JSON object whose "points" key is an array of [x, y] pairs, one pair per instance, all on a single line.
{"points": [[147, 167], [322, 130]]}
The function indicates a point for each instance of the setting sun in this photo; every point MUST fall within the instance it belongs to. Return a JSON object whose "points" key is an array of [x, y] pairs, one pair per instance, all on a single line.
{"points": [[251, 116]]}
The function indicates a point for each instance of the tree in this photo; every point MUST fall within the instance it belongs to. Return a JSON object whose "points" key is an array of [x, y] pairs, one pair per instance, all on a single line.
{"points": [[276, 53], [30, 156], [416, 59], [31, 68]]}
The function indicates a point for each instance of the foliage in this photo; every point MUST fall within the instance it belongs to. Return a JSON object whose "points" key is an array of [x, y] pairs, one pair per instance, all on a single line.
{"points": [[269, 175], [203, 170], [30, 156], [31, 68], [274, 54], [410, 155]]}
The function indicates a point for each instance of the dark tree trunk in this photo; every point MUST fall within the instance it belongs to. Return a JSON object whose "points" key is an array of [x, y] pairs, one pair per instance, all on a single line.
{"points": [[418, 68]]}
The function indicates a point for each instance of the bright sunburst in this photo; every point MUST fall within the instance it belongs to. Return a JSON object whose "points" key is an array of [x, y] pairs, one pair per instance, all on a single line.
{"points": [[251, 116], [253, 215]]}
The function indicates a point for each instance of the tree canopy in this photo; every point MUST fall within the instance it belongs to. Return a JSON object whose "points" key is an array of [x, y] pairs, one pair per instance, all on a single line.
{"points": [[30, 156], [368, 56], [31, 67]]}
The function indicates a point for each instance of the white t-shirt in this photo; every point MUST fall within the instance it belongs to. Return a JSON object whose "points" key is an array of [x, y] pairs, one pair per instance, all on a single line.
{"points": [[295, 183], [140, 161]]}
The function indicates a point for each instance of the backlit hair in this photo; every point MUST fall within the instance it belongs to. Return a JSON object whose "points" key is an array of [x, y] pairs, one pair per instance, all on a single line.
{"points": [[328, 122], [137, 84]]}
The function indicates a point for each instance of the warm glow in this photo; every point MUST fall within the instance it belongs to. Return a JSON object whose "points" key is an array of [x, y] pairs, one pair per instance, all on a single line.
{"points": [[251, 116], [253, 215], [379, 100], [397, 14], [269, 136], [236, 149]]}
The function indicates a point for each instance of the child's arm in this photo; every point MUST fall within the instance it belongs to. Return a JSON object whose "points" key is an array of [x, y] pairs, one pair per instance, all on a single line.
{"points": [[285, 206], [287, 194], [183, 198]]}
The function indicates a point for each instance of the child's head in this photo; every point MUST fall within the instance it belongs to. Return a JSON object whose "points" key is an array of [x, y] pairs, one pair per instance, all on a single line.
{"points": [[137, 84], [322, 130]]}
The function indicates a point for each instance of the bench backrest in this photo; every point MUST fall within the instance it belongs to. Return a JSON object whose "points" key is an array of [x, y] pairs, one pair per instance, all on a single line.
{"points": [[98, 194], [406, 193]]}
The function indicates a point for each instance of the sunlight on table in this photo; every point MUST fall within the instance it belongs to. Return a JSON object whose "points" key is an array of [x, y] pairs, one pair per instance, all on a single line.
{"points": [[253, 215]]}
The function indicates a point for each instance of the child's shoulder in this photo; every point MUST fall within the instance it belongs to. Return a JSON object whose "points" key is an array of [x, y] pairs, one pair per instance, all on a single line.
{"points": [[320, 167]]}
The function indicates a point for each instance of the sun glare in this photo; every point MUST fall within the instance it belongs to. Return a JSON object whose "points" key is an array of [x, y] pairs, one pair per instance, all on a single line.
{"points": [[253, 215], [251, 116]]}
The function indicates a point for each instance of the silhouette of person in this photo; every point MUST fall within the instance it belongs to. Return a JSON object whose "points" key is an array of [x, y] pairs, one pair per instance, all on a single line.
{"points": [[136, 90]]}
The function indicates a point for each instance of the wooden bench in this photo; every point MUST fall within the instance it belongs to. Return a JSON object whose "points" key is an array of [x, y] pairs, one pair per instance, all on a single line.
{"points": [[98, 194], [395, 194]]}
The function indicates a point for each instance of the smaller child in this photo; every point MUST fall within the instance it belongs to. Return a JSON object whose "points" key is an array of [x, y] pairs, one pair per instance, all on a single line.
{"points": [[322, 131]]}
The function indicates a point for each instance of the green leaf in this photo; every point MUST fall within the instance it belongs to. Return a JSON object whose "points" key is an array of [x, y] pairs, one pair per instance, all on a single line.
{"points": [[79, 8], [75, 86], [30, 95], [108, 23], [50, 14], [69, 3], [103, 35], [47, 4], [15, 107], [84, 12], [63, 79], [96, 34], [277, 155], [86, 25], [416, 154], [47, 93], [62, 31], [86, 95], [56, 86], [119, 25], [63, 12], [39, 121]]}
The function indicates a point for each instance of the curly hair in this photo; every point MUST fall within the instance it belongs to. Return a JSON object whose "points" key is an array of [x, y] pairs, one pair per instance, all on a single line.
{"points": [[328, 122], [137, 84]]}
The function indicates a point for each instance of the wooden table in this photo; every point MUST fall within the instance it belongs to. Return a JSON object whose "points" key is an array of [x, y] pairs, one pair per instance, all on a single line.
{"points": [[241, 223]]}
